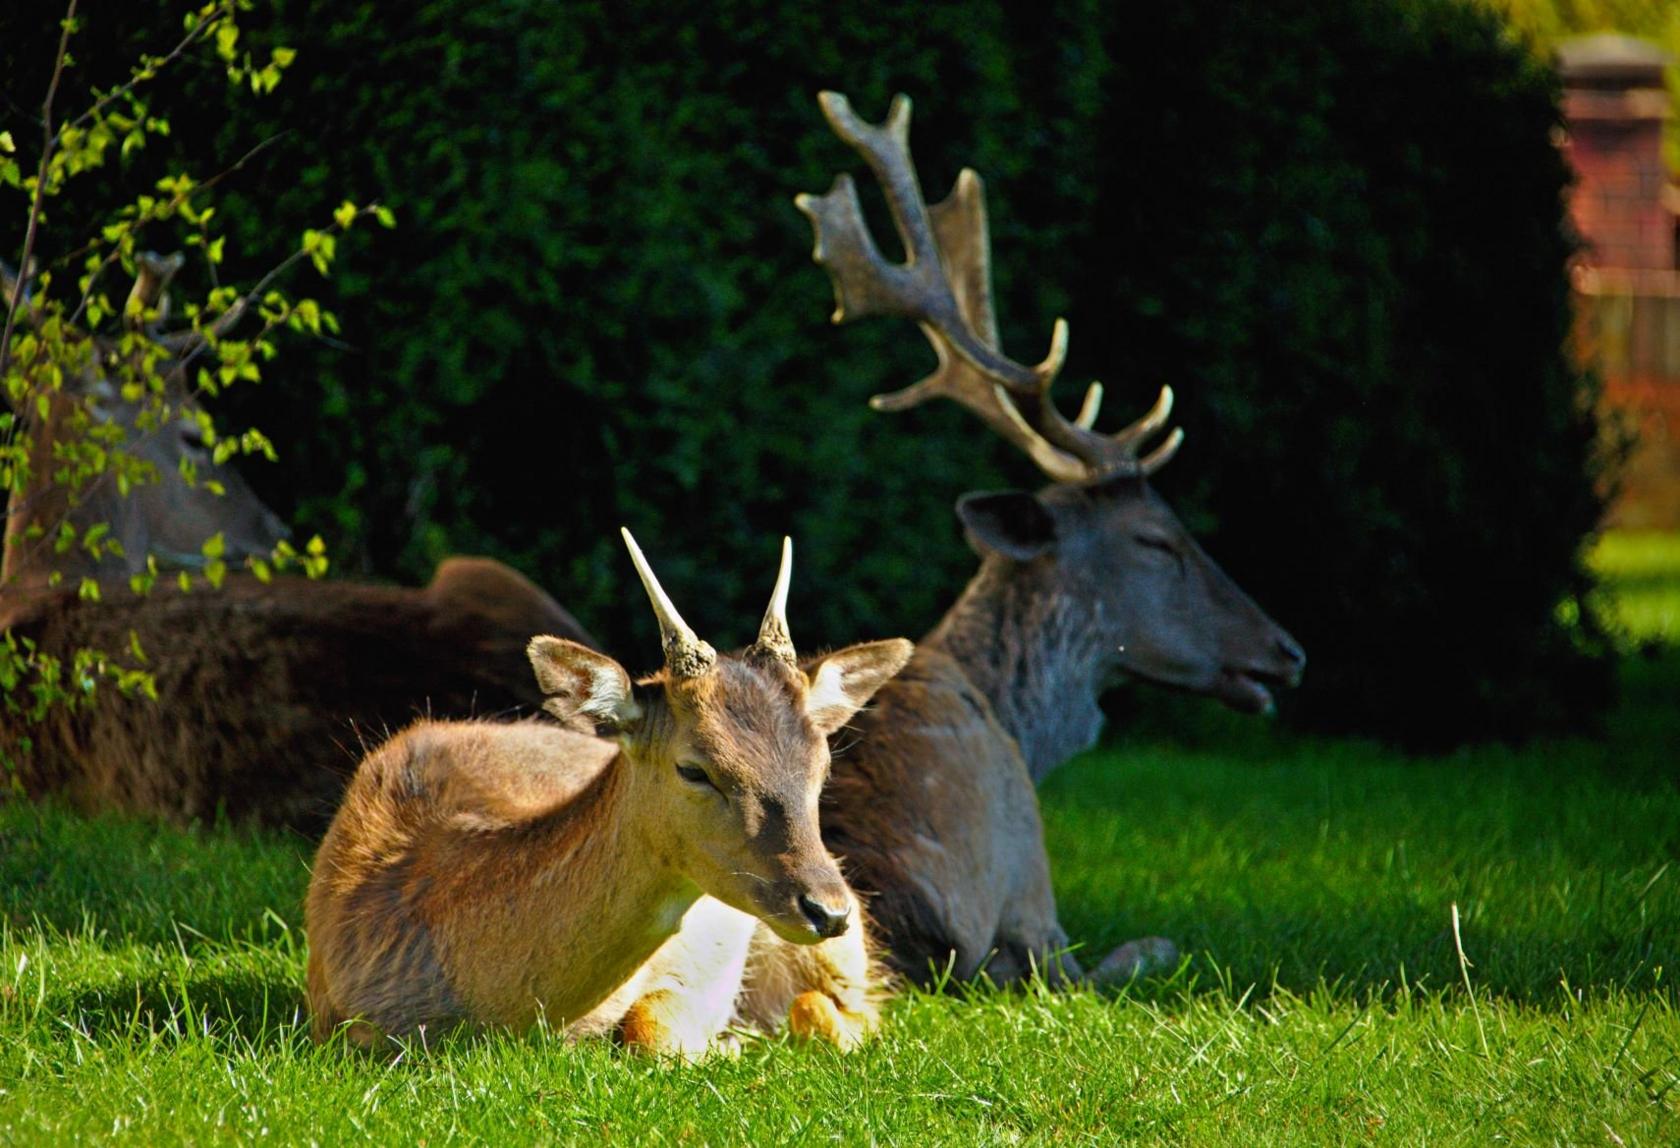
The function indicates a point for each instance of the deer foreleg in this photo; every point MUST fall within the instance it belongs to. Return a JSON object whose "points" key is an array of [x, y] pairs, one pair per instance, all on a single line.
{"points": [[830, 991], [687, 997]]}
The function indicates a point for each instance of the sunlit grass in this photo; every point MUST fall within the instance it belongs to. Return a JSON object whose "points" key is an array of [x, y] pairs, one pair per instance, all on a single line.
{"points": [[151, 980], [1641, 573]]}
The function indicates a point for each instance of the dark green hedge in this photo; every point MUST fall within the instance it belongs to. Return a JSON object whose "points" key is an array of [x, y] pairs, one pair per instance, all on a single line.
{"points": [[1334, 228]]}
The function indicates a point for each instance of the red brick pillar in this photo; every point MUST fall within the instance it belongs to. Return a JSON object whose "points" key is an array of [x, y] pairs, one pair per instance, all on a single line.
{"points": [[1615, 105]]}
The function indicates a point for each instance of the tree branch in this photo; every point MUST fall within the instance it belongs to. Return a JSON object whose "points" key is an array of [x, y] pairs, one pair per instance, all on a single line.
{"points": [[164, 209], [48, 138], [151, 68]]}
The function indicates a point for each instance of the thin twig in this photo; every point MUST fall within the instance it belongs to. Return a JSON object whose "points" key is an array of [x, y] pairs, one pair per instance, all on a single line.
{"points": [[262, 285], [179, 198], [48, 138], [150, 69], [1464, 970]]}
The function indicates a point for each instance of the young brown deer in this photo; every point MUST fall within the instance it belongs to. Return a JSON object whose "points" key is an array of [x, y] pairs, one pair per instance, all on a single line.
{"points": [[494, 874], [263, 685], [933, 808]]}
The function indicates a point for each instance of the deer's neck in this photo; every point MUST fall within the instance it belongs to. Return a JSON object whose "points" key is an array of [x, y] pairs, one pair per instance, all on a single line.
{"points": [[26, 561], [40, 507], [1034, 652], [597, 891], [30, 558]]}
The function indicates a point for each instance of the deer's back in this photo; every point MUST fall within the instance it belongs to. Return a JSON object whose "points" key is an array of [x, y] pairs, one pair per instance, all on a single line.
{"points": [[931, 807], [267, 694], [403, 856]]}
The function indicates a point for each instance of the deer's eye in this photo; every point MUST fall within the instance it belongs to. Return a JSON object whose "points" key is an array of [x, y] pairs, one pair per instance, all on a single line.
{"points": [[694, 775], [1160, 545]]}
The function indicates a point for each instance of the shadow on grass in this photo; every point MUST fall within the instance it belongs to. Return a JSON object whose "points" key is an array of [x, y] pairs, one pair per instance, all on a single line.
{"points": [[250, 1008], [1615, 936], [1520, 968], [143, 882], [1282, 861]]}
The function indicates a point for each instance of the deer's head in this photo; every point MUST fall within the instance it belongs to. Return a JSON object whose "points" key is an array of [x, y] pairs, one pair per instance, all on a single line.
{"points": [[1140, 584], [1098, 540], [152, 416], [728, 753]]}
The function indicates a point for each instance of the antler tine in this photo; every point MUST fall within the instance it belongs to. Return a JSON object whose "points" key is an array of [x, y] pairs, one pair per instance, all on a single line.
{"points": [[686, 656], [945, 285], [1161, 455], [1133, 436], [1088, 410], [865, 283], [774, 638]]}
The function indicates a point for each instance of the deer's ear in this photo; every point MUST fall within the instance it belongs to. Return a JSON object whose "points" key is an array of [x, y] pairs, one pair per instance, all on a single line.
{"points": [[579, 681], [1012, 522], [846, 679]]}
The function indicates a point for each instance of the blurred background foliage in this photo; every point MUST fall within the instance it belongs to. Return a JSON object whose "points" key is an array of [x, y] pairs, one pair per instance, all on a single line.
{"points": [[1335, 229], [1545, 24]]}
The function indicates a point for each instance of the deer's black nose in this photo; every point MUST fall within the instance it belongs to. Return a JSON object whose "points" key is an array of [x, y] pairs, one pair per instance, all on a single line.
{"points": [[826, 920]]}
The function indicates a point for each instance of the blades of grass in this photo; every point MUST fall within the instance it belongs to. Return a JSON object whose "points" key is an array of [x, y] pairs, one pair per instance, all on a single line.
{"points": [[1637, 1021]]}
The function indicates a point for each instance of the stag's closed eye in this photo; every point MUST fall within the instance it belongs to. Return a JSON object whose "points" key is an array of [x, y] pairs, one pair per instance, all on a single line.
{"points": [[694, 775], [1160, 545]]}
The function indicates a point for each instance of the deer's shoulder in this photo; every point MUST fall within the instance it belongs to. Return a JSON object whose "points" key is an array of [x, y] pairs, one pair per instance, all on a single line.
{"points": [[501, 771]]}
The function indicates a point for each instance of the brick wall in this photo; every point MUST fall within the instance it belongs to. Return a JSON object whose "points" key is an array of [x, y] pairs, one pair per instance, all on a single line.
{"points": [[1628, 289], [1618, 204]]}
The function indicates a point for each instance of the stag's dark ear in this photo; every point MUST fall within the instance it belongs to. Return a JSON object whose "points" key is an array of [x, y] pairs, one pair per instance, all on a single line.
{"points": [[1014, 523], [579, 681]]}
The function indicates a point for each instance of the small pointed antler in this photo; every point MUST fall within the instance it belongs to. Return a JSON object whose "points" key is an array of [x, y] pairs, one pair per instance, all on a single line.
{"points": [[945, 285], [774, 638], [148, 303], [686, 656]]}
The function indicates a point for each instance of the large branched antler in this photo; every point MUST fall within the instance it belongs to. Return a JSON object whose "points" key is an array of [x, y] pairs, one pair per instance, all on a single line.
{"points": [[945, 285]]}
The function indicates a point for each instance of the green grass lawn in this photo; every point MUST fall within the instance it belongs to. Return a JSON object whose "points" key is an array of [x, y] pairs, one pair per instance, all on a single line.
{"points": [[150, 980], [1643, 591]]}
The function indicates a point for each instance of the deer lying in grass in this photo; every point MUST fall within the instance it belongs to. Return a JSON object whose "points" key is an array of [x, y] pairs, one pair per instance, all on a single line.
{"points": [[170, 518], [932, 808], [264, 688], [496, 874]]}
